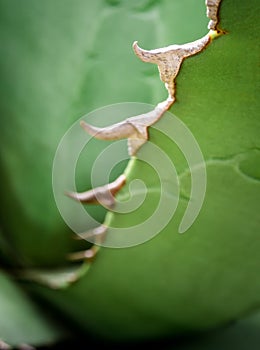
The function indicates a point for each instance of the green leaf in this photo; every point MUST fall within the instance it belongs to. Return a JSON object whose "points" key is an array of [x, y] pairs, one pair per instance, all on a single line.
{"points": [[242, 335], [21, 322], [62, 61], [57, 64], [176, 283], [208, 276]]}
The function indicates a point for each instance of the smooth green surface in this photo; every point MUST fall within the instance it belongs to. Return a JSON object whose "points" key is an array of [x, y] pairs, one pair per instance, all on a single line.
{"points": [[21, 322], [241, 335]]}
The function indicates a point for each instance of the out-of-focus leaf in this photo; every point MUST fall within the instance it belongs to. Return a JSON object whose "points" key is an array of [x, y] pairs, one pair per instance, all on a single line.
{"points": [[242, 335], [55, 278], [21, 322]]}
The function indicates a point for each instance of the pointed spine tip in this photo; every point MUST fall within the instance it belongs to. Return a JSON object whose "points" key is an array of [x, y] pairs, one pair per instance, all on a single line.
{"points": [[116, 131], [144, 55], [91, 130], [136, 48], [135, 43]]}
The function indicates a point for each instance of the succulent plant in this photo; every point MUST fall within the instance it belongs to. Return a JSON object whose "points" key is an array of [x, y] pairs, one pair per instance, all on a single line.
{"points": [[196, 154]]}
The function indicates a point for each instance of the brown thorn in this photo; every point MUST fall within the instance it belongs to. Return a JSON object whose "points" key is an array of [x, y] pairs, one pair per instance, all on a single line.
{"points": [[212, 13], [117, 131], [88, 254], [98, 231], [103, 195]]}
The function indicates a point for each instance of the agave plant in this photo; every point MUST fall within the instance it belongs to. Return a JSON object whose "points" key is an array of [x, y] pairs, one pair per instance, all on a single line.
{"points": [[62, 61]]}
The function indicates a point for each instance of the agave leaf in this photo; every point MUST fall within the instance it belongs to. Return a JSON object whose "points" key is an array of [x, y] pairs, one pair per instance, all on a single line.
{"points": [[57, 65], [173, 283], [210, 275]]}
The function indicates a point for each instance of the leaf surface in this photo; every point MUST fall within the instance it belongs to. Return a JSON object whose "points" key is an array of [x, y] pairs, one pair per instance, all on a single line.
{"points": [[21, 322]]}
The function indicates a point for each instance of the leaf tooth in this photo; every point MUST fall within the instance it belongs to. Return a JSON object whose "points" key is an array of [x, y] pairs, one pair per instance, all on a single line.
{"points": [[4, 345], [88, 254], [145, 55], [142, 122], [212, 13], [170, 58], [98, 234], [114, 132], [196, 46], [103, 195], [135, 129]]}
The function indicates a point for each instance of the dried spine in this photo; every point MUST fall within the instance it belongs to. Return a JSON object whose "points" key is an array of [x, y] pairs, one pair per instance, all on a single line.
{"points": [[170, 58], [98, 235], [104, 195], [212, 13], [135, 129]]}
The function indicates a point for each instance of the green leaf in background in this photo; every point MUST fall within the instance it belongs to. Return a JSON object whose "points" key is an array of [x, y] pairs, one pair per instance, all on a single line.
{"points": [[21, 322], [242, 335]]}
